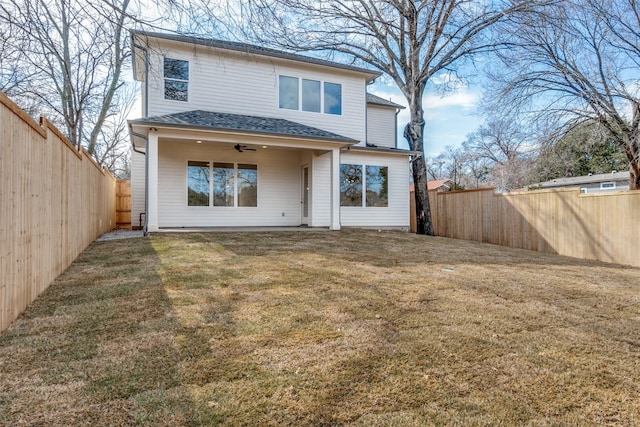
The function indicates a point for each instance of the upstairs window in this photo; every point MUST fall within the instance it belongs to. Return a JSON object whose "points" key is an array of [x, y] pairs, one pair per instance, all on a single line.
{"points": [[313, 96], [288, 93], [176, 79], [332, 98]]}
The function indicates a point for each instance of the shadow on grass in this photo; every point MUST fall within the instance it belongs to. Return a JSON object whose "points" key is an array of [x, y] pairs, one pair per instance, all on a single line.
{"points": [[98, 346]]}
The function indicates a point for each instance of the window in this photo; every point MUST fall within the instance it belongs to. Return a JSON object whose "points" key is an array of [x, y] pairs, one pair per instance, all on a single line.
{"points": [[377, 186], [198, 184], [607, 185], [350, 185], [310, 95], [176, 79], [332, 98], [247, 185], [375, 182], [233, 185], [288, 92], [223, 184]]}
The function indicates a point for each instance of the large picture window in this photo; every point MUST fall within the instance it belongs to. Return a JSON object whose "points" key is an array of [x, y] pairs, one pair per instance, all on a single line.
{"points": [[233, 185], [309, 95], [350, 185], [176, 79], [198, 183], [247, 185], [370, 189], [223, 184], [377, 178]]}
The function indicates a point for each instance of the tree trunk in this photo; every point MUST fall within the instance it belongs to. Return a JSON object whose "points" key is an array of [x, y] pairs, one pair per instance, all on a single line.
{"points": [[413, 132], [633, 153]]}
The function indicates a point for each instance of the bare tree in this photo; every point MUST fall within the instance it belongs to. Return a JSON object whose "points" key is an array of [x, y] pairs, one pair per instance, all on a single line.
{"points": [[503, 145], [67, 59], [577, 61], [410, 41]]}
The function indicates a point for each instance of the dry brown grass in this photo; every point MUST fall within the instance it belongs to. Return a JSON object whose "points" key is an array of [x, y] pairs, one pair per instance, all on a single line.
{"points": [[350, 328]]}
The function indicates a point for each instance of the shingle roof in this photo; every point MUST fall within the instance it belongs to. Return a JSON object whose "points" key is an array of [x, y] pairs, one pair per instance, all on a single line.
{"points": [[374, 99], [587, 179], [249, 48], [208, 120]]}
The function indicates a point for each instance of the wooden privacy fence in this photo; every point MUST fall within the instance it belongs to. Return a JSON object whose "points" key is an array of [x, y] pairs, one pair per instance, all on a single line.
{"points": [[602, 226], [54, 201], [123, 204]]}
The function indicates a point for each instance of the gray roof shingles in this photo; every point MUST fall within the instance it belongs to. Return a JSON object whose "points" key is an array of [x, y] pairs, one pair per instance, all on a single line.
{"points": [[208, 120], [374, 99], [249, 48]]}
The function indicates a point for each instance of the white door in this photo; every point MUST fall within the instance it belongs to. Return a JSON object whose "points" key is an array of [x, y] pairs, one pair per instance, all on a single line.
{"points": [[305, 195]]}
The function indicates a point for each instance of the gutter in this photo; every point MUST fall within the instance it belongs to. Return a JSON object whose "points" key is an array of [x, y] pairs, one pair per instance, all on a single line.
{"points": [[146, 181]]}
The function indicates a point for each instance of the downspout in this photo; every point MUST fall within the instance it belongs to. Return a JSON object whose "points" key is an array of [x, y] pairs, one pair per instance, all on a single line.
{"points": [[396, 127], [146, 188]]}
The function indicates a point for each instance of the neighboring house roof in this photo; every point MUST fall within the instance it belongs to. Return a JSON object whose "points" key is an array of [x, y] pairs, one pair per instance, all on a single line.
{"points": [[257, 50], [576, 181], [208, 120], [374, 99], [434, 185]]}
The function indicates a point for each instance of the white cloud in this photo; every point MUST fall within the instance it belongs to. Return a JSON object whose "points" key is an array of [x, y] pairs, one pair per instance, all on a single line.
{"points": [[462, 98], [449, 118]]}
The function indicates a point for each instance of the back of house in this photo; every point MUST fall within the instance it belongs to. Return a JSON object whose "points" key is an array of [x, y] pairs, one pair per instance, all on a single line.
{"points": [[239, 135]]}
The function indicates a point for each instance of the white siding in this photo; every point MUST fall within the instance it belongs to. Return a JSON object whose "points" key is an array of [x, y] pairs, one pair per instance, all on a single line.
{"points": [[321, 191], [233, 82], [397, 212], [137, 188], [381, 126], [278, 187]]}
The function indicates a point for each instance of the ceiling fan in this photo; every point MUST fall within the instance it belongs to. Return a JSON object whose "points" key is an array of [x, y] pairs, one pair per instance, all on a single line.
{"points": [[240, 148]]}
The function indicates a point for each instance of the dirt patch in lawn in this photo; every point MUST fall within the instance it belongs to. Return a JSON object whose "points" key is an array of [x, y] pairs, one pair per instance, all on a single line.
{"points": [[337, 328]]}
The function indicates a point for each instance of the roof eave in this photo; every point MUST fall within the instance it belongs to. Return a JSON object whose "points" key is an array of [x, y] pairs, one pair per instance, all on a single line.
{"points": [[204, 128], [247, 48], [389, 150]]}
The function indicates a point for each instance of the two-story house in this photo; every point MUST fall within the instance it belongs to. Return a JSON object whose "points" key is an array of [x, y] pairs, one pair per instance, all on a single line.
{"points": [[240, 135]]}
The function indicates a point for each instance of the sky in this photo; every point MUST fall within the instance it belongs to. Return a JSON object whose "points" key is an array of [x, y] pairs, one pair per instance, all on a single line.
{"points": [[448, 118]]}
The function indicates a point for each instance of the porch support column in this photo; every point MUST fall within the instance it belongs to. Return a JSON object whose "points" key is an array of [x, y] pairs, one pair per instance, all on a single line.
{"points": [[152, 181], [335, 189]]}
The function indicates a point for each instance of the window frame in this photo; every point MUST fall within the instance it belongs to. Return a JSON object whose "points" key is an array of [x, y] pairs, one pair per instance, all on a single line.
{"points": [[236, 187], [208, 166], [166, 79], [609, 185], [301, 99], [363, 191]]}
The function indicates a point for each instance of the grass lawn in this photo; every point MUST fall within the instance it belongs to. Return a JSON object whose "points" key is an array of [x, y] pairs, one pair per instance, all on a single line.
{"points": [[330, 328]]}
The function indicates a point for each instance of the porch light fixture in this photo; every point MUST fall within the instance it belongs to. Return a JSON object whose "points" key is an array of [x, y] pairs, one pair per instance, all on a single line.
{"points": [[264, 146], [198, 142]]}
